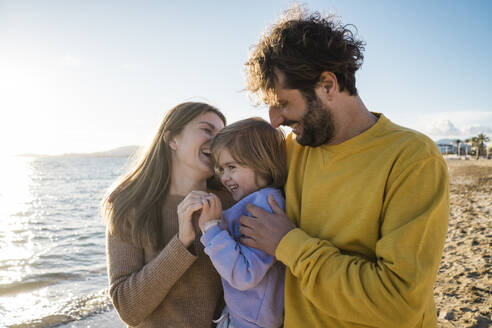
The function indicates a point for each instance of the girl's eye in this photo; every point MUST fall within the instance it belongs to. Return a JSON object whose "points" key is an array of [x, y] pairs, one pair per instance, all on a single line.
{"points": [[231, 167], [219, 170]]}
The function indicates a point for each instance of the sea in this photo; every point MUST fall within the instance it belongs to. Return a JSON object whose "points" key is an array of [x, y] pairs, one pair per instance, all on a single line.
{"points": [[52, 241]]}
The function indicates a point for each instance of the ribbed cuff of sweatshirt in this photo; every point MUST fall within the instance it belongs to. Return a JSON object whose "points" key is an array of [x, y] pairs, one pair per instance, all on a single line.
{"points": [[209, 235], [294, 244], [290, 247]]}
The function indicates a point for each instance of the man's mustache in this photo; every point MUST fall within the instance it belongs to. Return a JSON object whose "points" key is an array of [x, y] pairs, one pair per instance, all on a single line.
{"points": [[289, 123]]}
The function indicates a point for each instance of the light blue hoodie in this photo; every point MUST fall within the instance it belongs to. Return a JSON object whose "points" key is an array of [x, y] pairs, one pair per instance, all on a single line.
{"points": [[253, 280]]}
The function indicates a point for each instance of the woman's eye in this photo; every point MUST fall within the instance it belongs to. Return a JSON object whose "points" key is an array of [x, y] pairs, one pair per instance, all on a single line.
{"points": [[207, 130], [231, 167]]}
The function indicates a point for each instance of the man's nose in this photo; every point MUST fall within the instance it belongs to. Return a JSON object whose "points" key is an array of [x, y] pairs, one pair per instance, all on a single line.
{"points": [[276, 118]]}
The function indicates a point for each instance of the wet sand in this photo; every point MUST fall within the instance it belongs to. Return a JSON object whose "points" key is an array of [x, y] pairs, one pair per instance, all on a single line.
{"points": [[463, 290]]}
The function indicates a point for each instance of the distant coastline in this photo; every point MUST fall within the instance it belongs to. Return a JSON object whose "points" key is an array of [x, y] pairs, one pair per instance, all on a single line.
{"points": [[444, 145], [125, 151]]}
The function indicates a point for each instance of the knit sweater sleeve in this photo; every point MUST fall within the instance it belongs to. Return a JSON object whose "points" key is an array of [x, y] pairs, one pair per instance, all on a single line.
{"points": [[386, 291], [136, 288]]}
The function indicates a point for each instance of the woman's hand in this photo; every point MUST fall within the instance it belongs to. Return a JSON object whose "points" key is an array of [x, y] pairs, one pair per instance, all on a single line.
{"points": [[192, 203], [211, 210]]}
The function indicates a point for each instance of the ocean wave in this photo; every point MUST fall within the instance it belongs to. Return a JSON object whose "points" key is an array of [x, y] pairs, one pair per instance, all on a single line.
{"points": [[22, 214], [33, 282], [22, 287], [76, 309], [58, 220]]}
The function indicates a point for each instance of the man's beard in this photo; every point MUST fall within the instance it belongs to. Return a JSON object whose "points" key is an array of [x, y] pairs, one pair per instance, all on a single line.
{"points": [[318, 126]]}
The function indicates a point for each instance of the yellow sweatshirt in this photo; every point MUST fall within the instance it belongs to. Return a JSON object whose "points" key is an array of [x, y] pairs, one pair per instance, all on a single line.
{"points": [[372, 216]]}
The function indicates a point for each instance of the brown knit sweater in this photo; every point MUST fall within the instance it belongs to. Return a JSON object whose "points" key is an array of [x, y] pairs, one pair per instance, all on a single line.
{"points": [[168, 288]]}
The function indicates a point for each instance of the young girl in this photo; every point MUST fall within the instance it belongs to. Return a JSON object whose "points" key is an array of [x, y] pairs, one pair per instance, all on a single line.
{"points": [[250, 161]]}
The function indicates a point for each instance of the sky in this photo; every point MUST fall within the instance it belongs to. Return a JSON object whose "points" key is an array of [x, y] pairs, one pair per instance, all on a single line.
{"points": [[85, 76]]}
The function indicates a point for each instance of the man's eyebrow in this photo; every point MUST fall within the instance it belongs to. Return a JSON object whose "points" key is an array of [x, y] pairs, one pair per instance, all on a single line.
{"points": [[278, 103], [209, 124]]}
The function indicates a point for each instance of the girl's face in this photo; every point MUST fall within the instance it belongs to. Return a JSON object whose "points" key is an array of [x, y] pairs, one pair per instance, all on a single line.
{"points": [[191, 147], [239, 180]]}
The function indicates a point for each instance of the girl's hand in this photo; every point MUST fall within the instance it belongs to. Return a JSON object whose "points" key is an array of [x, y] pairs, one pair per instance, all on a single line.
{"points": [[211, 210], [192, 203]]}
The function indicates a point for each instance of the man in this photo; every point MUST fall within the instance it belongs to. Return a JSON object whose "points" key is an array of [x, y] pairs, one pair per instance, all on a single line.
{"points": [[367, 200]]}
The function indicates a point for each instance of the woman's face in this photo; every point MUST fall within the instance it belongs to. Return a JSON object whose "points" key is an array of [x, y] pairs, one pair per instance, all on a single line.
{"points": [[191, 147]]}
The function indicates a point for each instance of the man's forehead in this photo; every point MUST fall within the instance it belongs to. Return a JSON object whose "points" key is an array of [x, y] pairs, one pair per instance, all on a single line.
{"points": [[278, 78], [270, 98], [272, 94]]}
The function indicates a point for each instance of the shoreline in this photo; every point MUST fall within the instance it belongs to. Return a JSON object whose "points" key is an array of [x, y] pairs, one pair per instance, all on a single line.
{"points": [[108, 319]]}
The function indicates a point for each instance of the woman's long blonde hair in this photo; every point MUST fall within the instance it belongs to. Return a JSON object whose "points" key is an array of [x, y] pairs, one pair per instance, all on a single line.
{"points": [[133, 208]]}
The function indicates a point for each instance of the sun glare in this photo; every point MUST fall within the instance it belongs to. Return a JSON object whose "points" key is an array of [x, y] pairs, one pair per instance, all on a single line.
{"points": [[15, 195]]}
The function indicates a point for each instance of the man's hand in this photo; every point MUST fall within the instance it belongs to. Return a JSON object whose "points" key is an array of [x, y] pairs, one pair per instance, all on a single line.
{"points": [[264, 230]]}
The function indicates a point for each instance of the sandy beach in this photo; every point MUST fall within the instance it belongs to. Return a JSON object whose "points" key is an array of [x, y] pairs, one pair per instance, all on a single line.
{"points": [[463, 287]]}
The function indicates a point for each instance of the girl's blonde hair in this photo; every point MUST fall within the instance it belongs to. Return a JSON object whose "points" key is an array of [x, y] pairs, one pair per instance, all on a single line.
{"points": [[133, 208], [255, 144]]}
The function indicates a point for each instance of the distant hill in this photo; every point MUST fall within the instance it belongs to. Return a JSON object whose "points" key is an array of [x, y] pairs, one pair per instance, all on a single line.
{"points": [[124, 151]]}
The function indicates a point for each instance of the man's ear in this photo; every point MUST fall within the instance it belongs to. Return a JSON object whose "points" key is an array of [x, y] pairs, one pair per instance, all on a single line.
{"points": [[328, 81], [170, 142]]}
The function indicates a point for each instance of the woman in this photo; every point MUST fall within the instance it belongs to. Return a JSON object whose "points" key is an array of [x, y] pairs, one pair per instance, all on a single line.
{"points": [[158, 273]]}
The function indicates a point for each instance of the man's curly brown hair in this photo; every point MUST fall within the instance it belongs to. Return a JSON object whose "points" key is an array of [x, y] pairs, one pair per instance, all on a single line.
{"points": [[302, 45]]}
